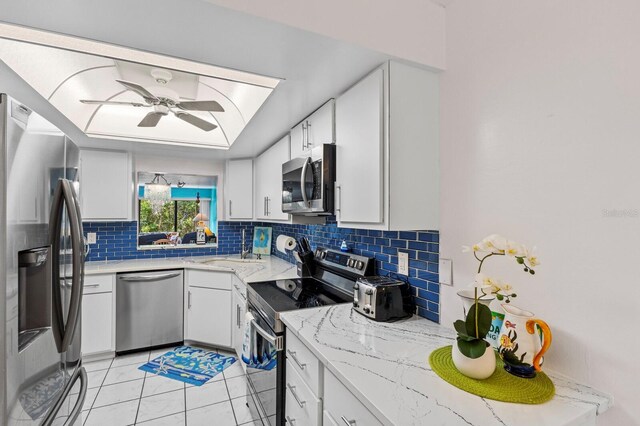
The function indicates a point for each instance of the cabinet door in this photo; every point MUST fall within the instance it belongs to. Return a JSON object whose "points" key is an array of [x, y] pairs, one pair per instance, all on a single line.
{"points": [[261, 172], [97, 323], [320, 126], [359, 151], [105, 185], [240, 189], [209, 316], [278, 154], [298, 140], [238, 312]]}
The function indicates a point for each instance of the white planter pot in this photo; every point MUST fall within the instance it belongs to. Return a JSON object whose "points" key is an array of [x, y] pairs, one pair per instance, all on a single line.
{"points": [[478, 368]]}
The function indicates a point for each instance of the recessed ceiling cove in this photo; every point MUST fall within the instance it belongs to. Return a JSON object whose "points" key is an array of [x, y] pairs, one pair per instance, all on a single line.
{"points": [[111, 97]]}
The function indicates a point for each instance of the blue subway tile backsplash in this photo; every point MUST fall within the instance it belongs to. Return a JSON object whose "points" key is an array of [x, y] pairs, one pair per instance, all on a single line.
{"points": [[118, 241]]}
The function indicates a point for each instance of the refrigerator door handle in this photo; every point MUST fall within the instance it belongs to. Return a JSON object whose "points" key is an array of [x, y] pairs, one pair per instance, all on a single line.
{"points": [[55, 224], [65, 194], [77, 246], [81, 375]]}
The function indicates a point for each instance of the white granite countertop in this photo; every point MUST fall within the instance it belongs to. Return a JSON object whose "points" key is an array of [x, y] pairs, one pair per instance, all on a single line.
{"points": [[385, 365], [268, 268]]}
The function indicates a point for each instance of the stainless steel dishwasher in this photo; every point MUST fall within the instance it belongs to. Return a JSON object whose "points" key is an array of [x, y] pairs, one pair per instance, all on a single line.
{"points": [[149, 309]]}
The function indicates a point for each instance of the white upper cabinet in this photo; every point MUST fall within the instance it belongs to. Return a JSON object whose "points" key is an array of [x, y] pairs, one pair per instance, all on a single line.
{"points": [[105, 185], [387, 159], [239, 205], [359, 156], [268, 182], [313, 131]]}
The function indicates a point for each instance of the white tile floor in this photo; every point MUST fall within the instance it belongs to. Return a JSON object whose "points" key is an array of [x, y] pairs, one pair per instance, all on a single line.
{"points": [[120, 395]]}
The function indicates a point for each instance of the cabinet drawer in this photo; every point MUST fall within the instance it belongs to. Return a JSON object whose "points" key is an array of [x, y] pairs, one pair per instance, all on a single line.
{"points": [[302, 408], [304, 362], [207, 279], [98, 284], [343, 405]]}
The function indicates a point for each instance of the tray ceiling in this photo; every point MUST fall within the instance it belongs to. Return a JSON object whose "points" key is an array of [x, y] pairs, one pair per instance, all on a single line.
{"points": [[65, 77]]}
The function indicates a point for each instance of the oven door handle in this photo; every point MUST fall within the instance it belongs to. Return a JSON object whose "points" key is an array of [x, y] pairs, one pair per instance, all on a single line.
{"points": [[264, 333], [303, 181]]}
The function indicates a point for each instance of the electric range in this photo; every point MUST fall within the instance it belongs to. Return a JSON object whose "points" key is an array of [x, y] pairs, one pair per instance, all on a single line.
{"points": [[332, 276]]}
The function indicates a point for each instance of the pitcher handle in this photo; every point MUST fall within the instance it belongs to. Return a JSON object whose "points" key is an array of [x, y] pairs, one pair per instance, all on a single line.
{"points": [[546, 339]]}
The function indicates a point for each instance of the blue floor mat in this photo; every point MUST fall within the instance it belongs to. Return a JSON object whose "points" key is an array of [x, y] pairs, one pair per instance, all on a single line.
{"points": [[190, 365]]}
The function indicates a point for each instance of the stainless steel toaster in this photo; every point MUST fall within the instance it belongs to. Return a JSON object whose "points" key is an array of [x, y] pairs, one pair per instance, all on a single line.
{"points": [[383, 298]]}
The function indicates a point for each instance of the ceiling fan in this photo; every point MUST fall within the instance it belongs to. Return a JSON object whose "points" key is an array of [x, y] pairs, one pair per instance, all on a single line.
{"points": [[163, 105]]}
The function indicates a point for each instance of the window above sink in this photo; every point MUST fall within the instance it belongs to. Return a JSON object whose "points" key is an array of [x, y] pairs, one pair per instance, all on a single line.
{"points": [[176, 211]]}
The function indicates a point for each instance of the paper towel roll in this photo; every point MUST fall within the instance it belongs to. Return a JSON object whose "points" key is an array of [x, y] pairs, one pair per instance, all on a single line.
{"points": [[284, 242]]}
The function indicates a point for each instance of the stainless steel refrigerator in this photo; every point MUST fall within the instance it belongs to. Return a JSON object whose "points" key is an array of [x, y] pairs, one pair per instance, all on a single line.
{"points": [[42, 271]]}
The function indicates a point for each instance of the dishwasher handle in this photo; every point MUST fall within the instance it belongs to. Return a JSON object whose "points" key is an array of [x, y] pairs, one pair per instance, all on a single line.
{"points": [[149, 277]]}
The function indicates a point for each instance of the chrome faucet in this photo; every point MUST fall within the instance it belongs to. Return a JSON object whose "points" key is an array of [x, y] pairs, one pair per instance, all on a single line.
{"points": [[245, 251]]}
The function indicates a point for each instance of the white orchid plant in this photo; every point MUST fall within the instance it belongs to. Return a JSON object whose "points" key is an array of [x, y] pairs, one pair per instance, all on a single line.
{"points": [[473, 330]]}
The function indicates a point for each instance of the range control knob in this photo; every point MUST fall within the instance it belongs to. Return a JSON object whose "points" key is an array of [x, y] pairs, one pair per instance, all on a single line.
{"points": [[366, 310], [355, 304], [323, 254], [351, 263], [359, 265]]}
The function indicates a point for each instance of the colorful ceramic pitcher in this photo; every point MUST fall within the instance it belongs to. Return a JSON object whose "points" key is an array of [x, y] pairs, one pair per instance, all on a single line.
{"points": [[523, 341]]}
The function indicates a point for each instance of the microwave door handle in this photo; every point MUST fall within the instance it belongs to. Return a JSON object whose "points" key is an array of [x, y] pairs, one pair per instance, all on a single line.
{"points": [[303, 181]]}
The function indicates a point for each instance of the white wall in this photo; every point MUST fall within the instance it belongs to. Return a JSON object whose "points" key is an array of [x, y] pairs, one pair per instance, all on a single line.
{"points": [[409, 29], [540, 134]]}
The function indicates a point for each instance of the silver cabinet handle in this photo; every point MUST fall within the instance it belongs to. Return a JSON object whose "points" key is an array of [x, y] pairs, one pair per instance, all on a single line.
{"points": [[91, 285], [230, 208], [295, 359], [337, 195], [290, 420], [238, 315], [292, 389], [304, 143], [268, 210], [347, 421], [264, 206], [188, 300], [309, 143]]}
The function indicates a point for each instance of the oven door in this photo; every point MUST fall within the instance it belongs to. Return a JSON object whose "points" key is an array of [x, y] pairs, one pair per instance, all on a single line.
{"points": [[303, 188], [266, 371]]}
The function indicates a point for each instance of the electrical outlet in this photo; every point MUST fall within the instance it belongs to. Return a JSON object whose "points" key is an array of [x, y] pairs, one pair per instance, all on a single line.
{"points": [[403, 263], [445, 271], [91, 238]]}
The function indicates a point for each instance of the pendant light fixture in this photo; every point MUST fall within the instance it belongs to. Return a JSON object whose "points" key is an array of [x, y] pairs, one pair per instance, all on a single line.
{"points": [[157, 192]]}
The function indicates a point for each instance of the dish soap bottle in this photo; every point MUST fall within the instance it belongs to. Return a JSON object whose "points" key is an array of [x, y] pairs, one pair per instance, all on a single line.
{"points": [[344, 247]]}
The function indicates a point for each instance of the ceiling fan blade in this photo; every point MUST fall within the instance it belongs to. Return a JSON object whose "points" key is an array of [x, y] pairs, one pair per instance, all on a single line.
{"points": [[196, 121], [147, 95], [212, 106], [151, 119], [91, 102]]}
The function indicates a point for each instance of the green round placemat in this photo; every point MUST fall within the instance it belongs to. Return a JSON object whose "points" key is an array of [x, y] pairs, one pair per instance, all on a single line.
{"points": [[501, 386]]}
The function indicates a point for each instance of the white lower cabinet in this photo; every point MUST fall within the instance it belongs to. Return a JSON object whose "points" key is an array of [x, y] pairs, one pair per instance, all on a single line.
{"points": [[302, 407], [238, 310], [209, 316], [342, 405], [314, 396], [98, 331], [208, 308]]}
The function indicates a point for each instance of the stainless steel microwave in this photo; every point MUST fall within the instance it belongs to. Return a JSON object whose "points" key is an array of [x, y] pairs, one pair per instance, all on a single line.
{"points": [[307, 182]]}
